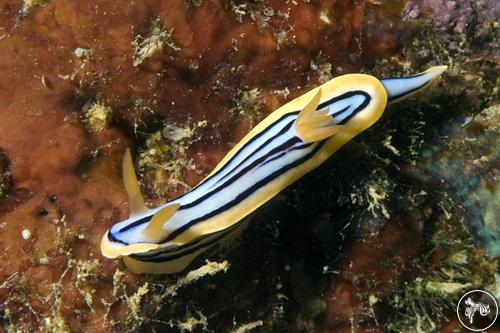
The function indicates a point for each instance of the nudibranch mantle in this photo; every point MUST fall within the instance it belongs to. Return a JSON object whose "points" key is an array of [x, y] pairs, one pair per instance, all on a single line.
{"points": [[287, 144]]}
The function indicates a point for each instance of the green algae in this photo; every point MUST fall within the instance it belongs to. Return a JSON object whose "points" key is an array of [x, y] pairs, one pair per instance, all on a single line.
{"points": [[248, 102], [452, 265], [163, 159]]}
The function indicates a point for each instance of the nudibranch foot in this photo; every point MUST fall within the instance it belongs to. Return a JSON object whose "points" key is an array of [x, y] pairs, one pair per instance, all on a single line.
{"points": [[290, 142], [172, 266]]}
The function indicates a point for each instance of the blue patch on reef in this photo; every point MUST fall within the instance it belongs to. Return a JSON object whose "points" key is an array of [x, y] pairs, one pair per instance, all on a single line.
{"points": [[468, 165]]}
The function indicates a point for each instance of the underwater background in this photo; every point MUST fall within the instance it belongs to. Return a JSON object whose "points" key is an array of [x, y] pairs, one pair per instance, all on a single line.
{"points": [[384, 237]]}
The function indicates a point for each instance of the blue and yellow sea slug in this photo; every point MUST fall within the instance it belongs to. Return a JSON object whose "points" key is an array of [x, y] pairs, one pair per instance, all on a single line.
{"points": [[290, 142]]}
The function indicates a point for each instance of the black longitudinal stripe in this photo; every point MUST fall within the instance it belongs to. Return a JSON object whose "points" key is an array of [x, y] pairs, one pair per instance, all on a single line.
{"points": [[332, 100], [265, 144], [341, 111], [345, 95], [273, 158], [245, 170], [186, 250], [285, 152], [111, 237], [390, 99], [187, 245], [180, 254], [147, 219], [243, 195], [248, 143], [356, 110], [130, 226], [279, 148]]}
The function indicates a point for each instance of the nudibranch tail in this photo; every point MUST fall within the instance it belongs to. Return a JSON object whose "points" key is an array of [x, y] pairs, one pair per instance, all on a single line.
{"points": [[286, 145], [400, 88]]}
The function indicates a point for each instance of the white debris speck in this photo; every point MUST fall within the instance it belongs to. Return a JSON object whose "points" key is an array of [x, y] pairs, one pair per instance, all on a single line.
{"points": [[43, 261], [82, 53], [96, 115], [176, 133], [244, 328], [372, 299], [447, 287], [376, 197], [323, 16], [28, 4], [388, 145], [26, 234], [158, 39]]}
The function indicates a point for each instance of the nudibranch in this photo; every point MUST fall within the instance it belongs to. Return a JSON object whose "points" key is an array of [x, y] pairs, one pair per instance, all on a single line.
{"points": [[287, 144]]}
